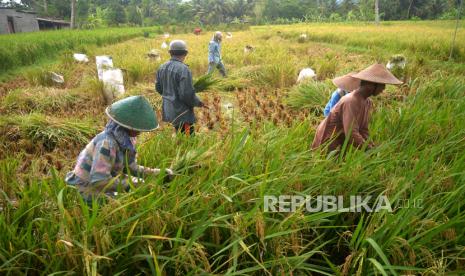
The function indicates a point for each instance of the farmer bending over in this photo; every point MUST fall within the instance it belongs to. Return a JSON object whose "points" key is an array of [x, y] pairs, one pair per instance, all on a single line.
{"points": [[100, 166], [350, 117], [214, 54], [345, 85], [174, 83]]}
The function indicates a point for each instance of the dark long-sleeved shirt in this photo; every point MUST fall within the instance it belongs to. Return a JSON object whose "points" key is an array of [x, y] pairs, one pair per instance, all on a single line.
{"points": [[349, 118], [174, 83]]}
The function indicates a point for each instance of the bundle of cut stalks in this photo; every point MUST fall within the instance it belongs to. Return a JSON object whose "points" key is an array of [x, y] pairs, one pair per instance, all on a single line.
{"points": [[204, 83]]}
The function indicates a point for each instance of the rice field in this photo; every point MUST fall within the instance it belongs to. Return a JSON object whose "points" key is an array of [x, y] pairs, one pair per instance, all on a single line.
{"points": [[254, 140]]}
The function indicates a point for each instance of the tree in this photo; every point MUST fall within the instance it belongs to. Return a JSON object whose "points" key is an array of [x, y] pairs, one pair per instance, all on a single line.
{"points": [[134, 15], [115, 14], [156, 12], [73, 14]]}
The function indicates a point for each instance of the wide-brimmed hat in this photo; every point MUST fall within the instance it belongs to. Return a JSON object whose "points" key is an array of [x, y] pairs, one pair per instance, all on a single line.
{"points": [[134, 113], [347, 82], [377, 73]]}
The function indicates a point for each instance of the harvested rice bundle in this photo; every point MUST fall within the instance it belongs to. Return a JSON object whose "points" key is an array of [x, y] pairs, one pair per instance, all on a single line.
{"points": [[311, 95], [204, 83]]}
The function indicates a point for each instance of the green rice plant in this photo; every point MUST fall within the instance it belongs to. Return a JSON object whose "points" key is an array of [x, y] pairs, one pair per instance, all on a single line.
{"points": [[326, 69], [310, 95], [204, 82]]}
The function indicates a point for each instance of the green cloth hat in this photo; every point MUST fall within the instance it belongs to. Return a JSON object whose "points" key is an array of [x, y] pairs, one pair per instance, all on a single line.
{"points": [[134, 113]]}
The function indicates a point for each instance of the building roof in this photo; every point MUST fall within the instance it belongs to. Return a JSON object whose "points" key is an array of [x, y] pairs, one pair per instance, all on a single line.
{"points": [[51, 20], [18, 10]]}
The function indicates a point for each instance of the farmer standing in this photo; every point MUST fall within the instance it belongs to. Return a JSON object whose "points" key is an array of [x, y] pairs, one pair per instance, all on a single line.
{"points": [[214, 54], [103, 164], [350, 117], [345, 84], [174, 83]]}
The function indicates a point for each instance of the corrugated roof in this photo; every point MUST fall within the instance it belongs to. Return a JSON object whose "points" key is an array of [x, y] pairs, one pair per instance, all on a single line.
{"points": [[53, 20], [16, 10]]}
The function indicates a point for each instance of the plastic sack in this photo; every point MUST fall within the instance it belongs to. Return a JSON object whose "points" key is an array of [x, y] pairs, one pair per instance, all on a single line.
{"points": [[305, 74], [113, 84], [103, 62], [56, 78], [164, 45], [81, 58]]}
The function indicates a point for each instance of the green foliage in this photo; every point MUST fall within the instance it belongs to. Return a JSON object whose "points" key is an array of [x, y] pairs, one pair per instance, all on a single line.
{"points": [[335, 17], [115, 14], [92, 14]]}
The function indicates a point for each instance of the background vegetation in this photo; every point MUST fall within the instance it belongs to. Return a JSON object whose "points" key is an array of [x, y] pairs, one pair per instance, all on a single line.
{"points": [[96, 13]]}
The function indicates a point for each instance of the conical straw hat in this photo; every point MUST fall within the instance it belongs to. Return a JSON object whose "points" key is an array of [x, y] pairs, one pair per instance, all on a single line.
{"points": [[135, 113], [377, 73], [347, 82]]}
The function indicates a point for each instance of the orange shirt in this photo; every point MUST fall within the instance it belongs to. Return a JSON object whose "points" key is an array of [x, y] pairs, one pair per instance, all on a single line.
{"points": [[349, 118]]}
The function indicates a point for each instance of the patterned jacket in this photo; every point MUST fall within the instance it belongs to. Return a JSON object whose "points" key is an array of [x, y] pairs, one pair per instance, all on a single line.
{"points": [[100, 166], [214, 52]]}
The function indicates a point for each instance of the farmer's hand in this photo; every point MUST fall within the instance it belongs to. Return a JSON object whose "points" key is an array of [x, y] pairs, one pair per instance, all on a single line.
{"points": [[370, 146], [169, 171], [202, 105], [169, 176]]}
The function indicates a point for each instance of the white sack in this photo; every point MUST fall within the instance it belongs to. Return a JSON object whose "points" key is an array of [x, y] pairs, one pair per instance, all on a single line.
{"points": [[103, 62], [305, 74]]}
